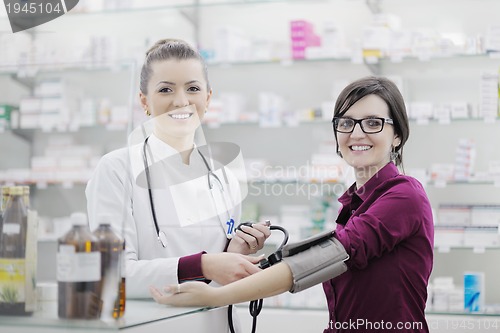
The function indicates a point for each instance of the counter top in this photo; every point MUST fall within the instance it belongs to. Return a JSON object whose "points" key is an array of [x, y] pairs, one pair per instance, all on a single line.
{"points": [[138, 313]]}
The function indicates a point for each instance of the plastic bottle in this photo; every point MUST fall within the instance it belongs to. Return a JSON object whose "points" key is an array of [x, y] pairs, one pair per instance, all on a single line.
{"points": [[111, 247], [79, 272], [12, 255]]}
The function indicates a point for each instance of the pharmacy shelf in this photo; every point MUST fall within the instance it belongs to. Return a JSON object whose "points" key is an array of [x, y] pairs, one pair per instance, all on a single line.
{"points": [[473, 249], [475, 314], [387, 60], [32, 69], [178, 5], [29, 133], [444, 183], [465, 227], [416, 122]]}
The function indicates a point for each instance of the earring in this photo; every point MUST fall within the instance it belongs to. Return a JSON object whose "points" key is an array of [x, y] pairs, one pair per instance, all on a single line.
{"points": [[146, 111], [394, 155]]}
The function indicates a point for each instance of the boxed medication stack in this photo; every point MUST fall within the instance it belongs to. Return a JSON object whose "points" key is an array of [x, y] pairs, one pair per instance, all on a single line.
{"points": [[302, 36], [377, 37], [50, 107], [232, 45], [488, 92], [464, 160]]}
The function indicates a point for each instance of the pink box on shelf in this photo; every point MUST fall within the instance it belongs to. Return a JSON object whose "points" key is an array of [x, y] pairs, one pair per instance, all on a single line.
{"points": [[298, 53], [299, 28], [302, 36], [308, 40]]}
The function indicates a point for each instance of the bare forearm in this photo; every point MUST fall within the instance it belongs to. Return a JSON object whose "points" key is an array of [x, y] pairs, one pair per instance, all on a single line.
{"points": [[275, 280]]}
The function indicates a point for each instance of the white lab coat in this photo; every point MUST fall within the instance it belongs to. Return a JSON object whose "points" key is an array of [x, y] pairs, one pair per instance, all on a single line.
{"points": [[116, 189]]}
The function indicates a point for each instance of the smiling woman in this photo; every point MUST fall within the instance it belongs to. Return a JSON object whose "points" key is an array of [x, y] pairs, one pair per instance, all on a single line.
{"points": [[176, 91], [385, 227], [177, 226]]}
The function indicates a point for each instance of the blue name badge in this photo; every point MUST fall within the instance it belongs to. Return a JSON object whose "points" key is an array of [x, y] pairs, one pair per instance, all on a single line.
{"points": [[230, 228]]}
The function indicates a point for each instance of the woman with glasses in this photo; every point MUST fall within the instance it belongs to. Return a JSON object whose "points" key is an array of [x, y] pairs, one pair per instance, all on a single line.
{"points": [[384, 228]]}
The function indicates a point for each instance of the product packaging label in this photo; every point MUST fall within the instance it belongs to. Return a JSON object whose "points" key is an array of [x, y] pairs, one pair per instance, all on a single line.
{"points": [[78, 266], [12, 280]]}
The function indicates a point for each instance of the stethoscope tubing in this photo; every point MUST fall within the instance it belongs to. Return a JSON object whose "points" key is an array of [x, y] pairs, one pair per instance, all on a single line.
{"points": [[160, 234]]}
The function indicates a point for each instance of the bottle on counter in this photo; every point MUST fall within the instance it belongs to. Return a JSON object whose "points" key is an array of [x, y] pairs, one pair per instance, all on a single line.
{"points": [[26, 196], [5, 196], [111, 247], [14, 280], [119, 308], [79, 272], [3, 205]]}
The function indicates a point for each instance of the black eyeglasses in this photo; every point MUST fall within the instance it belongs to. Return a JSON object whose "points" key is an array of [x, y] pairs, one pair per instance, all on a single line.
{"points": [[369, 125]]}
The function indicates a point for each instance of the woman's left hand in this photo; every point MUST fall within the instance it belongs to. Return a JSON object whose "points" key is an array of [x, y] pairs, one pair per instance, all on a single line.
{"points": [[186, 294], [249, 240]]}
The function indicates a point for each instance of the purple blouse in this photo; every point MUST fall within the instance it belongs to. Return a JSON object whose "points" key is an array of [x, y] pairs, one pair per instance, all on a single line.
{"points": [[386, 228]]}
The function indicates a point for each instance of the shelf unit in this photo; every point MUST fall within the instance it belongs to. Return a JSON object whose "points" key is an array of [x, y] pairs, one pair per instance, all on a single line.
{"points": [[303, 84], [60, 192]]}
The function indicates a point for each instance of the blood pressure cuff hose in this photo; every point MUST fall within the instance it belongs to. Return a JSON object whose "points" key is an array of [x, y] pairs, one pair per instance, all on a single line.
{"points": [[315, 260]]}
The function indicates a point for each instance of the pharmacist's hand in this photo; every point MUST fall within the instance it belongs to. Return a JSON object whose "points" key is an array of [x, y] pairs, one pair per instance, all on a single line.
{"points": [[249, 240], [225, 267], [186, 294]]}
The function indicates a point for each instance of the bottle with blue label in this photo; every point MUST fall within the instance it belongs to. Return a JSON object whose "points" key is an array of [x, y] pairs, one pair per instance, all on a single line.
{"points": [[474, 291]]}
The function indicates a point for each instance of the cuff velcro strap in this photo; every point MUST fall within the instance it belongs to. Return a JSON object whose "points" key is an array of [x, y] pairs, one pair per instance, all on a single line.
{"points": [[320, 262]]}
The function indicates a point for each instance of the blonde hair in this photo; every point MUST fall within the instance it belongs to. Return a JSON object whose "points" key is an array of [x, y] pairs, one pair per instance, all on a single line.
{"points": [[165, 49]]}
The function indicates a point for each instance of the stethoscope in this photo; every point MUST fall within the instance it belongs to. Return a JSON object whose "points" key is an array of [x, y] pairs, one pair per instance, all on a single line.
{"points": [[212, 178]]}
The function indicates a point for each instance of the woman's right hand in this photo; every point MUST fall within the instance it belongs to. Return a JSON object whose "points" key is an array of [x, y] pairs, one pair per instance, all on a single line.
{"points": [[225, 267]]}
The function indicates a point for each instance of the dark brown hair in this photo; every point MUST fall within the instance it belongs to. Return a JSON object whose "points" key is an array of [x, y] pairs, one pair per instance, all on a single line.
{"points": [[166, 49], [389, 92]]}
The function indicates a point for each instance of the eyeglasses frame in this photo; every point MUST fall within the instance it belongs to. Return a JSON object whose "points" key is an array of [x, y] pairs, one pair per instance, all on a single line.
{"points": [[358, 121]]}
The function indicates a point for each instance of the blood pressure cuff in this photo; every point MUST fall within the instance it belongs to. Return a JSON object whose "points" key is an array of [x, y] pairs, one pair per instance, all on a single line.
{"points": [[315, 260]]}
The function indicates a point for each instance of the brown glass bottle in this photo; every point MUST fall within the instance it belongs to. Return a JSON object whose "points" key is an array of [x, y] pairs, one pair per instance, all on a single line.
{"points": [[119, 309], [79, 272], [12, 255], [5, 196], [111, 248], [26, 196]]}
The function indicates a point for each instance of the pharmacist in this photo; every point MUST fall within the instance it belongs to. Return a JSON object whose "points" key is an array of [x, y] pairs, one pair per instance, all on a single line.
{"points": [[178, 210]]}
